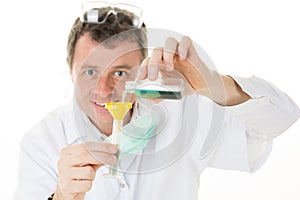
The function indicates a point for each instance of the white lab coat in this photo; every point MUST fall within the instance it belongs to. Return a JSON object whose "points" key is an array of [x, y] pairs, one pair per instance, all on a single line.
{"points": [[195, 133]]}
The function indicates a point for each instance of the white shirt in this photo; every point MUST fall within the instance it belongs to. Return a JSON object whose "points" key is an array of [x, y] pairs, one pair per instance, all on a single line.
{"points": [[195, 133]]}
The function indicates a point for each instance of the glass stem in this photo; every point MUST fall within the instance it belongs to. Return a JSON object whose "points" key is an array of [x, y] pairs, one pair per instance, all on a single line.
{"points": [[116, 134]]}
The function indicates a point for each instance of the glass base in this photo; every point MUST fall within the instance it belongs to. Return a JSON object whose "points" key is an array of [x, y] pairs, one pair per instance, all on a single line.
{"points": [[112, 172]]}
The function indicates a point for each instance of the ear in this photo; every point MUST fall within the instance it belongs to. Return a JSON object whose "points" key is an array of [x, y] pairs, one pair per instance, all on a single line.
{"points": [[71, 71]]}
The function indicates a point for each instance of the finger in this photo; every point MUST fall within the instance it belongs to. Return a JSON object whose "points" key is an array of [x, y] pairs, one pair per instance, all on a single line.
{"points": [[82, 173], [143, 72], [184, 47], [101, 147], [85, 158], [96, 167], [169, 52], [155, 63], [88, 153], [89, 146], [129, 97], [76, 186]]}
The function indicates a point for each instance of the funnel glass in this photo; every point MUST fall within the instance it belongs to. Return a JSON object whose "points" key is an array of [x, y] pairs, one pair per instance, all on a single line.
{"points": [[118, 110]]}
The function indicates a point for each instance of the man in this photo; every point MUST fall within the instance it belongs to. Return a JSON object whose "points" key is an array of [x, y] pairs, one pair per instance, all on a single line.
{"points": [[221, 122]]}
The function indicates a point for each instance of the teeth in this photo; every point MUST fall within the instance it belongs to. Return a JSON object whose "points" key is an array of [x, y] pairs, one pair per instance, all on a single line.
{"points": [[100, 104]]}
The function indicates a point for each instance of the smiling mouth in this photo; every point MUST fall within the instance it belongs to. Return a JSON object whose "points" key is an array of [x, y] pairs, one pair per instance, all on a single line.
{"points": [[100, 104]]}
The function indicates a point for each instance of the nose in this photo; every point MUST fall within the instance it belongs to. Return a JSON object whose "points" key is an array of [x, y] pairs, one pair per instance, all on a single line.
{"points": [[105, 87]]}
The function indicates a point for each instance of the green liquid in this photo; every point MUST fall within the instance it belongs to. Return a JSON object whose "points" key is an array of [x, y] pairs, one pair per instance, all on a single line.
{"points": [[157, 94]]}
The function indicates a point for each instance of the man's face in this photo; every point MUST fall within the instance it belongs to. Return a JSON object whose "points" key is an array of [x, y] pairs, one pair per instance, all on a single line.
{"points": [[99, 74]]}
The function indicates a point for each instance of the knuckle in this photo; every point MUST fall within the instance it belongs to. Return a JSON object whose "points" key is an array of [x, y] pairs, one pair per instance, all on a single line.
{"points": [[82, 155], [85, 187], [100, 158], [90, 172], [168, 55], [104, 159], [88, 185], [64, 174], [156, 53], [105, 147], [111, 159], [157, 49], [63, 164], [83, 146], [65, 186], [64, 151], [60, 163]]}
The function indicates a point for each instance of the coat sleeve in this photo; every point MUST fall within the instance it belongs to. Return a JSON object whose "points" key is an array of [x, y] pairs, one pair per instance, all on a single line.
{"points": [[251, 126], [37, 175]]}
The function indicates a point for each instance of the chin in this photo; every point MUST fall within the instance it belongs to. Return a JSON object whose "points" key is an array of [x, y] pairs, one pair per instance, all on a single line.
{"points": [[104, 118]]}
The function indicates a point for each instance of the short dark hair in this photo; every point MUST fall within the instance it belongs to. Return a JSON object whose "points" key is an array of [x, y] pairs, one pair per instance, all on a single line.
{"points": [[103, 31]]}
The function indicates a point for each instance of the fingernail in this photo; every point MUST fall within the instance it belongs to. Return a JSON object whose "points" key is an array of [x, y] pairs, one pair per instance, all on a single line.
{"points": [[113, 159], [113, 149]]}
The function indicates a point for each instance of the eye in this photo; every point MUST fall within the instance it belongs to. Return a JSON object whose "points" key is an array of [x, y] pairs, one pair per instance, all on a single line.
{"points": [[120, 73], [90, 72]]}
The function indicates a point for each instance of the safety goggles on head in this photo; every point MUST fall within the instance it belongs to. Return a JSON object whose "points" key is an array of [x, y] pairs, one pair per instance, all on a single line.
{"points": [[98, 12]]}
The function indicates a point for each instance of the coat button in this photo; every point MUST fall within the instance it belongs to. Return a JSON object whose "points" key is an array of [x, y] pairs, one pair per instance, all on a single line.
{"points": [[122, 185]]}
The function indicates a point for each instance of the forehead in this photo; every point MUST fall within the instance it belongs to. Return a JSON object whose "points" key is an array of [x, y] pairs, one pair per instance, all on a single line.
{"points": [[91, 53]]}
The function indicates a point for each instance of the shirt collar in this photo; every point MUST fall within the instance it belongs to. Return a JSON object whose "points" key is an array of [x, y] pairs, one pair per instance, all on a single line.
{"points": [[82, 129]]}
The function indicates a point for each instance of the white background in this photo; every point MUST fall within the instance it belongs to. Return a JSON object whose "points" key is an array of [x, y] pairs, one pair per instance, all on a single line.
{"points": [[260, 37]]}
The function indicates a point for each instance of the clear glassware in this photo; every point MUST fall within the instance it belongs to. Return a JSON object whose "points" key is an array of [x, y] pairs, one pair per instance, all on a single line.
{"points": [[118, 110], [166, 88]]}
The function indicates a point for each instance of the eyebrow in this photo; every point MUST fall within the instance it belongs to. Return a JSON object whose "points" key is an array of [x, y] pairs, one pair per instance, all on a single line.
{"points": [[114, 67], [123, 67], [89, 66]]}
